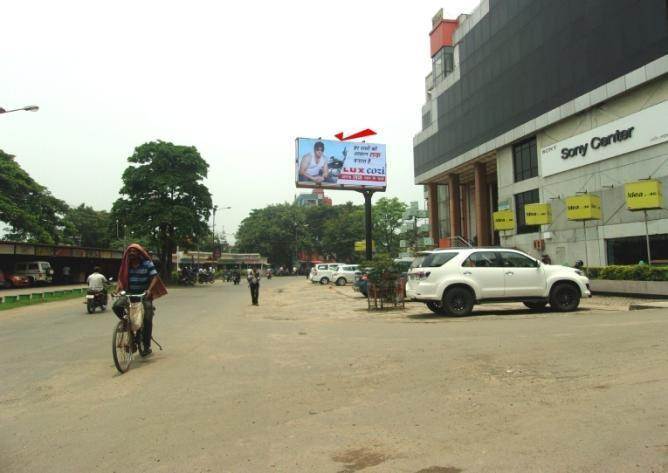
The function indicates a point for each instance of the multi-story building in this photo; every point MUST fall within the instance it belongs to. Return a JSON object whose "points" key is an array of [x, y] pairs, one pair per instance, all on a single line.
{"points": [[312, 199], [534, 101]]}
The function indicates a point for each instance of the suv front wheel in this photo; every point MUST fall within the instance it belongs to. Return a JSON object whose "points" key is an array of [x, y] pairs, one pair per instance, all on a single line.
{"points": [[565, 297], [535, 305], [458, 301], [341, 282], [436, 307]]}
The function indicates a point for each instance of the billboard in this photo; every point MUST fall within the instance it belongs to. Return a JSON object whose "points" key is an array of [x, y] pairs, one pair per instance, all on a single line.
{"points": [[583, 207], [340, 164], [504, 220], [643, 195], [538, 214]]}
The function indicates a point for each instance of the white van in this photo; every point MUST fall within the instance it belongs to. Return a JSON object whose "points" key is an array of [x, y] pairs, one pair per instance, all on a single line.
{"points": [[35, 271], [323, 272]]}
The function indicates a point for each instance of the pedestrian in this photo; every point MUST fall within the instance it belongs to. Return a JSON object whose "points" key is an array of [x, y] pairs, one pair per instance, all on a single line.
{"points": [[254, 285], [546, 259], [66, 274]]}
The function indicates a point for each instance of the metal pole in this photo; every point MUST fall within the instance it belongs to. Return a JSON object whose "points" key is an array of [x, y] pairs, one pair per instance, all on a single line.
{"points": [[213, 229], [649, 251], [584, 228], [368, 224]]}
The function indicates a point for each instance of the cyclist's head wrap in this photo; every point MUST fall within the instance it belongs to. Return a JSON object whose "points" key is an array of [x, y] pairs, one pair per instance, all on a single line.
{"points": [[159, 289]]}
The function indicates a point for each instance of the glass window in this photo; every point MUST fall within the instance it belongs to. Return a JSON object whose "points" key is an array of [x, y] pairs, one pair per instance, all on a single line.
{"points": [[433, 260], [516, 260], [417, 262], [33, 266], [528, 197], [482, 259], [525, 160], [322, 267]]}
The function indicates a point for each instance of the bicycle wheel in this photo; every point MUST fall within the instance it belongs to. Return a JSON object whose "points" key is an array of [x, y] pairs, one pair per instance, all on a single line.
{"points": [[122, 346]]}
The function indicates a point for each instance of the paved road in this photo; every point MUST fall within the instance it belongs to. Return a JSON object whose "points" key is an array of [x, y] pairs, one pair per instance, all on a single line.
{"points": [[246, 389]]}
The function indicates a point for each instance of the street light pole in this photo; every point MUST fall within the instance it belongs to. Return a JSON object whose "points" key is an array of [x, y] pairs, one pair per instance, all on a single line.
{"points": [[213, 230], [29, 108]]}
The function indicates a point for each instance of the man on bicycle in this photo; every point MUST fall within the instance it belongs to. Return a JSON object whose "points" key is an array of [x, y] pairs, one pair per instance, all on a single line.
{"points": [[138, 275]]}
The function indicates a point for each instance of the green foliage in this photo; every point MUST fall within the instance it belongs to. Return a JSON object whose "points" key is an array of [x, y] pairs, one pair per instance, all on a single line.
{"points": [[86, 226], [387, 219], [275, 231], [33, 214], [640, 272], [382, 270], [163, 197], [342, 231]]}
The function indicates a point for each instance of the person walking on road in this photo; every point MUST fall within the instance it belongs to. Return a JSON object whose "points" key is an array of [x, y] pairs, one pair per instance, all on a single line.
{"points": [[254, 285]]}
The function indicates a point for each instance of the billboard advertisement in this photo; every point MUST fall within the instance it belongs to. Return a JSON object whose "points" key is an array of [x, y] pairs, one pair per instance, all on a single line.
{"points": [[340, 164]]}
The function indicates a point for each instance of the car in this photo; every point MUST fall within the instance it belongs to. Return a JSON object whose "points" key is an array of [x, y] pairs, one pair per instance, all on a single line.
{"points": [[345, 274], [322, 272], [35, 271], [8, 280], [452, 281]]}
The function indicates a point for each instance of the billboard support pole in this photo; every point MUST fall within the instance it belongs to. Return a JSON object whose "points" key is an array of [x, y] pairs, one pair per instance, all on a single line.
{"points": [[368, 224], [649, 252]]}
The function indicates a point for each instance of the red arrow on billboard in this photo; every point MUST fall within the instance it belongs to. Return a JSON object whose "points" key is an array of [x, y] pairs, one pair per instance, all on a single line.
{"points": [[359, 134]]}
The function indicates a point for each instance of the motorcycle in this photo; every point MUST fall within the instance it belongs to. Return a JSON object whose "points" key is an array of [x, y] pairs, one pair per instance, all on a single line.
{"points": [[334, 167], [186, 278], [95, 299], [206, 277]]}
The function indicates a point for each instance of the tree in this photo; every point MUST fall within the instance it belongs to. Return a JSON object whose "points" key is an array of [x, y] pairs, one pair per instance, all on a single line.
{"points": [[387, 220], [86, 226], [30, 210], [341, 233], [163, 197], [276, 231]]}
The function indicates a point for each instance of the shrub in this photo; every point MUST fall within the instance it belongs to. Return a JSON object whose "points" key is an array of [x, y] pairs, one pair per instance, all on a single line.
{"points": [[639, 272]]}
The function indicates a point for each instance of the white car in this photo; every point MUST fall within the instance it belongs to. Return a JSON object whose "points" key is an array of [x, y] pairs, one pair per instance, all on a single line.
{"points": [[345, 274], [452, 281], [322, 272], [35, 271]]}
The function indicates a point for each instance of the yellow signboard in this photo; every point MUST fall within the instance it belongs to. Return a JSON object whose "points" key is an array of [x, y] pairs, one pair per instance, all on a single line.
{"points": [[643, 195], [538, 214], [583, 207], [504, 220], [361, 245]]}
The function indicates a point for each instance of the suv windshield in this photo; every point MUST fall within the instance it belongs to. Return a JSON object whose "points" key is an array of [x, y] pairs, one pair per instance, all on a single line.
{"points": [[433, 260]]}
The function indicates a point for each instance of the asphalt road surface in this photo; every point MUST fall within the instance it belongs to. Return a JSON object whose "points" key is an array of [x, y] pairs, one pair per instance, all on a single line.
{"points": [[253, 389]]}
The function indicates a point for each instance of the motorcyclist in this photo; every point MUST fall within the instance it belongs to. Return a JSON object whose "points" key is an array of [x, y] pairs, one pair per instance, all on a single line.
{"points": [[97, 282], [137, 275]]}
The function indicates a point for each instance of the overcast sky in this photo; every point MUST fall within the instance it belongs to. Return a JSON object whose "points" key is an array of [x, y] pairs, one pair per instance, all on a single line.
{"points": [[238, 80]]}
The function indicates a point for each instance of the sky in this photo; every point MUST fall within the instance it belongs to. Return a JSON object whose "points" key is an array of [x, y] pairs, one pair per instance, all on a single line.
{"points": [[238, 80]]}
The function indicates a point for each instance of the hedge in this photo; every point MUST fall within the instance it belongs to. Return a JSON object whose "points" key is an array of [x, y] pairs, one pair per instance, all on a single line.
{"points": [[639, 272]]}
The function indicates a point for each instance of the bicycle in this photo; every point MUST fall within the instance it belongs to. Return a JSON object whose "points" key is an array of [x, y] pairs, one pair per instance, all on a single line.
{"points": [[127, 338]]}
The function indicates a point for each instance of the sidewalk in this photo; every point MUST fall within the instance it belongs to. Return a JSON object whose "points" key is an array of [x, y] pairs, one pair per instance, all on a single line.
{"points": [[39, 289]]}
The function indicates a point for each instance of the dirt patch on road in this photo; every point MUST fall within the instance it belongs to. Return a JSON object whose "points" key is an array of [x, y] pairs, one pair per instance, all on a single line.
{"points": [[302, 300], [359, 459]]}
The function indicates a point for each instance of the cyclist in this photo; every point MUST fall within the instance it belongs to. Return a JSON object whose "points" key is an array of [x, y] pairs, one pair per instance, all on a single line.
{"points": [[138, 275]]}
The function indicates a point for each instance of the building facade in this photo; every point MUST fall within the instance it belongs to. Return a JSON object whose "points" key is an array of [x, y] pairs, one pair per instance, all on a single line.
{"points": [[313, 199], [535, 101]]}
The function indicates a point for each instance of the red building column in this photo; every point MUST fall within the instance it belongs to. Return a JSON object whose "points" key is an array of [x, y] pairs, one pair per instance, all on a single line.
{"points": [[481, 204], [455, 205], [434, 232]]}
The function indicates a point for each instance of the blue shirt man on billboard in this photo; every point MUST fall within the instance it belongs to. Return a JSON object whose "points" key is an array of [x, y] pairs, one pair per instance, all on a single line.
{"points": [[314, 166]]}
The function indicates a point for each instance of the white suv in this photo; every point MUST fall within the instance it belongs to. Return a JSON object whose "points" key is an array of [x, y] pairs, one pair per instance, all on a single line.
{"points": [[345, 274], [452, 281], [322, 273]]}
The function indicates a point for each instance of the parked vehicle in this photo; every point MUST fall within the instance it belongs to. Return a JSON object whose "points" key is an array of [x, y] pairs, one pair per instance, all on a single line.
{"points": [[95, 299], [35, 271], [206, 276], [345, 274], [452, 281], [8, 280], [187, 277], [322, 272]]}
